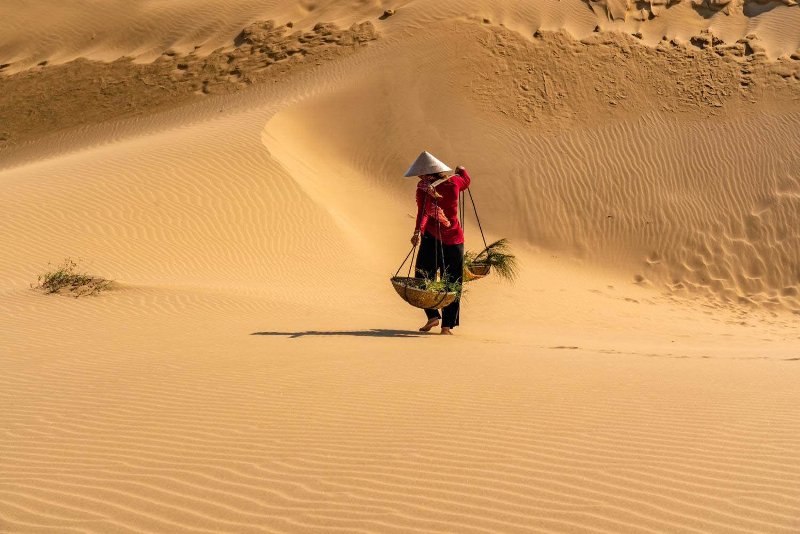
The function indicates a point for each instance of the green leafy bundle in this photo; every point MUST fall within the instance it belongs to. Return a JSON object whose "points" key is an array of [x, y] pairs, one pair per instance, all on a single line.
{"points": [[498, 256], [438, 286]]}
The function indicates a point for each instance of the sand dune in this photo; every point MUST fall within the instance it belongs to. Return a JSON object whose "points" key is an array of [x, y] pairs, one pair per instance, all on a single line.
{"points": [[610, 191], [253, 371], [320, 432]]}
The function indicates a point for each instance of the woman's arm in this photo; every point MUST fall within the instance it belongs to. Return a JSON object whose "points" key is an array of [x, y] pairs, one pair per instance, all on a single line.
{"points": [[462, 178], [422, 217]]}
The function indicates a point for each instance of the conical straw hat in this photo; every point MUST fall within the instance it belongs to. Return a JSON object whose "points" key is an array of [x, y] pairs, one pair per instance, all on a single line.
{"points": [[426, 164]]}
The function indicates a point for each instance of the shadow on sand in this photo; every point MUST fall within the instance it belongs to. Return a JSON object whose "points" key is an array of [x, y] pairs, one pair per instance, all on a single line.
{"points": [[375, 332]]}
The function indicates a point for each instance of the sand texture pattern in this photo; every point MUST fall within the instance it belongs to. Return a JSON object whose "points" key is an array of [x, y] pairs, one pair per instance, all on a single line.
{"points": [[235, 169]]}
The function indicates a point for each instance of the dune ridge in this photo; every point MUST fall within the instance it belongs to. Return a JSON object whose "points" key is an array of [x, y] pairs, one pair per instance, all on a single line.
{"points": [[253, 371], [176, 75], [94, 29], [622, 9]]}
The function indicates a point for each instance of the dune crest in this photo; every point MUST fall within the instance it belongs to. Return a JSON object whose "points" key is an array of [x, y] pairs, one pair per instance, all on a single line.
{"points": [[622, 9]]}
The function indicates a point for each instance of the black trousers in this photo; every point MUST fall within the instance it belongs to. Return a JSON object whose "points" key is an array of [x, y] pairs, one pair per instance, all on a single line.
{"points": [[448, 261]]}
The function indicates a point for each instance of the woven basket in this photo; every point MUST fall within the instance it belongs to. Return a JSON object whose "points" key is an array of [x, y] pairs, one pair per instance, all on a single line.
{"points": [[476, 271], [431, 300]]}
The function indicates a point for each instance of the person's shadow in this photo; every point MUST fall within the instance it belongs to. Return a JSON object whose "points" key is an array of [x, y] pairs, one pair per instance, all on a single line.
{"points": [[374, 332]]}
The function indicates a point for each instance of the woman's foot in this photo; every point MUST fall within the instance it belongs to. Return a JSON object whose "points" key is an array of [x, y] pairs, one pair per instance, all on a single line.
{"points": [[446, 331], [430, 324]]}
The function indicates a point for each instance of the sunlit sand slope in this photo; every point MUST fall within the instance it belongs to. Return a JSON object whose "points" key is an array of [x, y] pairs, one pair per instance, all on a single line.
{"points": [[693, 191], [252, 370], [181, 423]]}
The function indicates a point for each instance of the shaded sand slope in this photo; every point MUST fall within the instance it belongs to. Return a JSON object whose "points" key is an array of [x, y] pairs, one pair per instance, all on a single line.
{"points": [[176, 207], [57, 32], [255, 372], [48, 99]]}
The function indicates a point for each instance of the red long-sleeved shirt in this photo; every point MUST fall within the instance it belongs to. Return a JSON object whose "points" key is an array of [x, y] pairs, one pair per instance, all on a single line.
{"points": [[454, 235]]}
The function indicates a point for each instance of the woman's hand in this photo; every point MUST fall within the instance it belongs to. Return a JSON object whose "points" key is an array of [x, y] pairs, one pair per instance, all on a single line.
{"points": [[432, 192], [415, 239], [460, 169]]}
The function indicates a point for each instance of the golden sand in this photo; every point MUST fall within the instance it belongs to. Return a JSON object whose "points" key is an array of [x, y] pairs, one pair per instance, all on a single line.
{"points": [[252, 369]]}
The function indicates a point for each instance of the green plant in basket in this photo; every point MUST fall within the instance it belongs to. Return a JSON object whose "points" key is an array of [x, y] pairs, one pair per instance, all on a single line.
{"points": [[498, 256], [441, 286]]}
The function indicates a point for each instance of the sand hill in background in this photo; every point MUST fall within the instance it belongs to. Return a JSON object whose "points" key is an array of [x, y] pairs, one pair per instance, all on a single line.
{"points": [[234, 167], [46, 99]]}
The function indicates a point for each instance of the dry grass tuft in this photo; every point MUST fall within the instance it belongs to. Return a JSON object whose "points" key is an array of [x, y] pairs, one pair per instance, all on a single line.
{"points": [[66, 279]]}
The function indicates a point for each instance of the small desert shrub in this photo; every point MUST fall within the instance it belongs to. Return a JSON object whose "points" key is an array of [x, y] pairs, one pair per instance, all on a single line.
{"points": [[66, 279]]}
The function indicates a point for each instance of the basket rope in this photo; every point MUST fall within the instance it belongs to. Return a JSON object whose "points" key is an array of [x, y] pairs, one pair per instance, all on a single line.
{"points": [[475, 209]]}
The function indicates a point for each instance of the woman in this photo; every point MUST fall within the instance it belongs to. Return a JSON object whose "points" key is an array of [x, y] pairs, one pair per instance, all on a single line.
{"points": [[438, 231]]}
